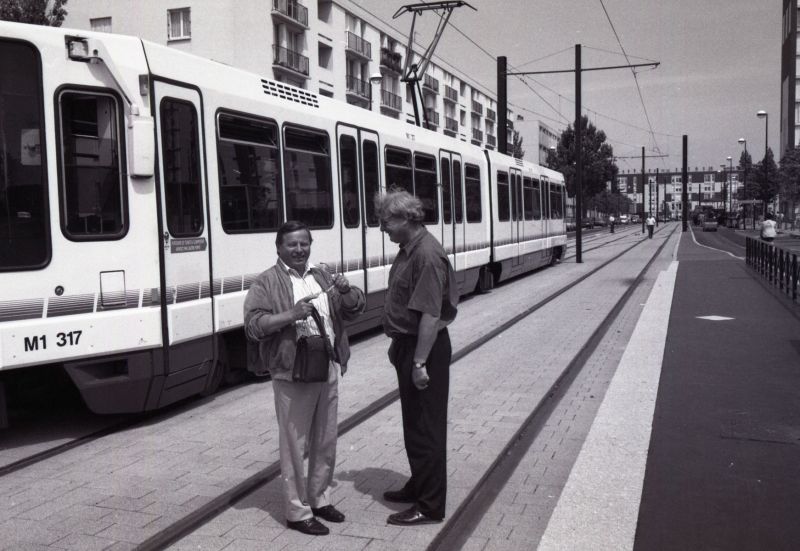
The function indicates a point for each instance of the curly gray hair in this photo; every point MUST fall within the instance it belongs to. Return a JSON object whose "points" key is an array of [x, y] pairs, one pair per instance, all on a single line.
{"points": [[398, 203]]}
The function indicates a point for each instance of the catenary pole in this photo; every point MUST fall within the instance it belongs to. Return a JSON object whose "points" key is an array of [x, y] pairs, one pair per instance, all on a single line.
{"points": [[578, 160], [685, 185]]}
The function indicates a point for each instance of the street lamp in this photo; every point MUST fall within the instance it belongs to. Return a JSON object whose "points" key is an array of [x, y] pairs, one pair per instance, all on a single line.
{"points": [[744, 179], [764, 115], [730, 187]]}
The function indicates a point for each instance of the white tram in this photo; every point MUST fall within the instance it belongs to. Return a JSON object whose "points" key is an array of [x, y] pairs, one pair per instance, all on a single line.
{"points": [[140, 191]]}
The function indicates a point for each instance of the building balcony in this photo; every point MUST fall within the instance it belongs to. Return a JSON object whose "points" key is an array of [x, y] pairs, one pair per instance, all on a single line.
{"points": [[450, 126], [357, 46], [431, 84], [491, 140], [358, 88], [477, 136], [290, 61], [433, 118], [290, 11], [391, 101], [477, 107], [450, 94], [391, 61], [491, 115]]}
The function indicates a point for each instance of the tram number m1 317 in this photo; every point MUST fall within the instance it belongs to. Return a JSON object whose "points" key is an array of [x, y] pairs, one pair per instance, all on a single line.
{"points": [[70, 338]]}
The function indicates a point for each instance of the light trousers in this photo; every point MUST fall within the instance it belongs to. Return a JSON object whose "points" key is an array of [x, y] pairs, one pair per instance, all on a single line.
{"points": [[307, 420]]}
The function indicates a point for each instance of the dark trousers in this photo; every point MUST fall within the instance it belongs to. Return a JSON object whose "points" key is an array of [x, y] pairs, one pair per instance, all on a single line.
{"points": [[425, 421], [650, 231]]}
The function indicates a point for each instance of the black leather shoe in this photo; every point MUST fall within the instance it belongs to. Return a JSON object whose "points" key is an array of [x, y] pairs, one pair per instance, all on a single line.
{"points": [[329, 513], [310, 526], [398, 496], [411, 517]]}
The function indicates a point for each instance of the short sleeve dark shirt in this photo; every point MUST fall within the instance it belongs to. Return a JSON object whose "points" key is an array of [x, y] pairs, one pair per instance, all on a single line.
{"points": [[421, 281]]}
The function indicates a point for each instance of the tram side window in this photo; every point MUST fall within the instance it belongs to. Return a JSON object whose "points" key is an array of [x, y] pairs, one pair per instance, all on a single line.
{"points": [[93, 191], [307, 169], [537, 200], [447, 211], [527, 192], [398, 169], [371, 181], [426, 188], [249, 174], [502, 196], [348, 180], [472, 185], [556, 209], [180, 146], [457, 192], [24, 236]]}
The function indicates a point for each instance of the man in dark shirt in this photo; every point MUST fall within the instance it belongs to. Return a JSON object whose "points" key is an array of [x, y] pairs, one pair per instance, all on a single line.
{"points": [[420, 303]]}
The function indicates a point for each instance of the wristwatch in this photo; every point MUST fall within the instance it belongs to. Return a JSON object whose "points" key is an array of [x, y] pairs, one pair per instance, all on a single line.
{"points": [[419, 365]]}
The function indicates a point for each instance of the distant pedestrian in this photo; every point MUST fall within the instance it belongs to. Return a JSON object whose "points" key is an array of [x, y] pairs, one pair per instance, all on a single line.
{"points": [[295, 301], [768, 228], [651, 224], [611, 222], [420, 303]]}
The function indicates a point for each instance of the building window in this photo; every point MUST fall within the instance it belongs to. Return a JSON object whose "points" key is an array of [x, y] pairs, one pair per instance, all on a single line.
{"points": [[325, 54], [101, 24], [179, 24]]}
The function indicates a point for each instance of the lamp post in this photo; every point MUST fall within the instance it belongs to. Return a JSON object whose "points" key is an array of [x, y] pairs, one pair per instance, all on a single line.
{"points": [[724, 183], [764, 115], [744, 179], [730, 186]]}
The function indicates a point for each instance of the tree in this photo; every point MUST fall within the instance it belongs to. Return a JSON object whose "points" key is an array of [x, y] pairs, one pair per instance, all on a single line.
{"points": [[765, 179], [34, 11], [516, 146], [746, 169], [789, 177], [597, 157], [609, 202]]}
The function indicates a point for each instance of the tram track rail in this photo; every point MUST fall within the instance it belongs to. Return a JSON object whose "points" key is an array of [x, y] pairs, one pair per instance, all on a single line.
{"points": [[206, 512]]}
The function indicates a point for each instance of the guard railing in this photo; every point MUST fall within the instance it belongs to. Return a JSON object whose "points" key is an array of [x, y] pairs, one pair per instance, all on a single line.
{"points": [[777, 266]]}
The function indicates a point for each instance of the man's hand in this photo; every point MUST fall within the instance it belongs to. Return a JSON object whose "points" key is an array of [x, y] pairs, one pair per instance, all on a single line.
{"points": [[420, 378], [341, 283], [303, 308]]}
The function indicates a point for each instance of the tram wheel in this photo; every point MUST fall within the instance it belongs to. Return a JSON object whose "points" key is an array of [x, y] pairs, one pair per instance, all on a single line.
{"points": [[219, 369], [485, 280]]}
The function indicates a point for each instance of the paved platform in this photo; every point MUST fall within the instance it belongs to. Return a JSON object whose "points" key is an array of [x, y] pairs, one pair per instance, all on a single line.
{"points": [[723, 457]]}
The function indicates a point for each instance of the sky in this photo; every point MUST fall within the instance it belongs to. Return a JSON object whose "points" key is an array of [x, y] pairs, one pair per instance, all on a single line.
{"points": [[719, 65]]}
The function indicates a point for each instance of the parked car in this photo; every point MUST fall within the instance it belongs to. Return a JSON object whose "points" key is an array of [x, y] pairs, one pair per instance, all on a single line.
{"points": [[710, 224], [635, 219], [623, 219]]}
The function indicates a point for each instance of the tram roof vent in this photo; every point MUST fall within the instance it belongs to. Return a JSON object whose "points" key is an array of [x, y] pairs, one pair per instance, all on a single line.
{"points": [[518, 161], [280, 90]]}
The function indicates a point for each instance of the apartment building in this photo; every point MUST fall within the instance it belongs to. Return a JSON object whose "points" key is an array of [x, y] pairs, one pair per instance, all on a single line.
{"points": [[324, 46], [790, 96], [705, 186]]}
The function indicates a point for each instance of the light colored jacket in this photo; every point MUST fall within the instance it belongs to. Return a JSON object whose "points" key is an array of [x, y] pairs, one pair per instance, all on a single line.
{"points": [[271, 293]]}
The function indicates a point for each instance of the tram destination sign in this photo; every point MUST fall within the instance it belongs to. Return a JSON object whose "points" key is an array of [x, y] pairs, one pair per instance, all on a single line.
{"points": [[187, 245]]}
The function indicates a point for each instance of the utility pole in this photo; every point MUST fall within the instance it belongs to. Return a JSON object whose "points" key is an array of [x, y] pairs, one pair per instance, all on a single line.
{"points": [[502, 108], [643, 189], [502, 101], [685, 186], [578, 160]]}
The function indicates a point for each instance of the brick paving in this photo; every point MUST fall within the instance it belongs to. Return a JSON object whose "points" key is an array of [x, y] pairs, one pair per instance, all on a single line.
{"points": [[117, 491]]}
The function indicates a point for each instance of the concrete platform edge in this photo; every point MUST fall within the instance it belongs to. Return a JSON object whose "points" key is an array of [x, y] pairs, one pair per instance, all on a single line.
{"points": [[599, 506]]}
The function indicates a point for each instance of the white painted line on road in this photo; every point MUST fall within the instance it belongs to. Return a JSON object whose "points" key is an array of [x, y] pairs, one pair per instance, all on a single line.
{"points": [[714, 318], [712, 248], [599, 506]]}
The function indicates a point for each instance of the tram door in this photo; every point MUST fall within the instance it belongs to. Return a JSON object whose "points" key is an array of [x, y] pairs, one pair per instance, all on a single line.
{"points": [[453, 230], [184, 236], [545, 186], [359, 181], [517, 219]]}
